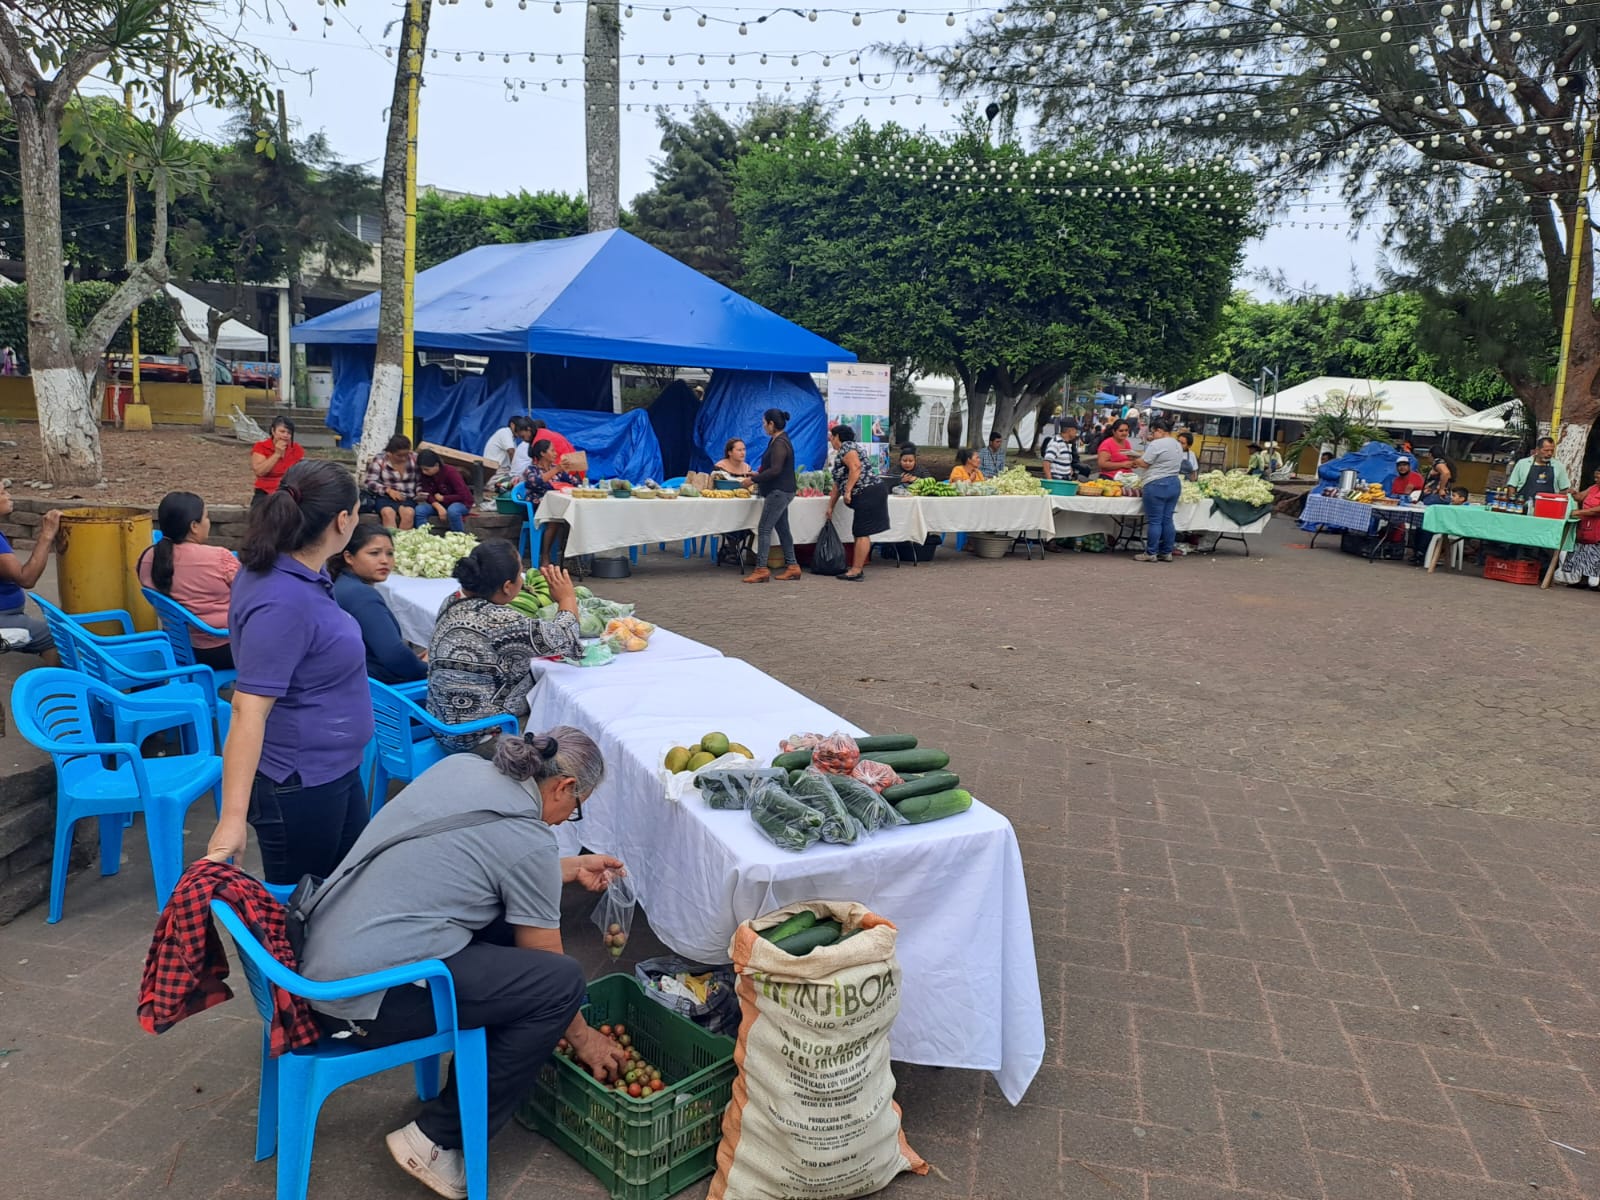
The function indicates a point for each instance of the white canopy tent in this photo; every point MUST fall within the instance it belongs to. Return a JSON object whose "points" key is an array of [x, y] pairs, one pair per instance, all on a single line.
{"points": [[1490, 422], [1401, 403], [234, 336], [1219, 396]]}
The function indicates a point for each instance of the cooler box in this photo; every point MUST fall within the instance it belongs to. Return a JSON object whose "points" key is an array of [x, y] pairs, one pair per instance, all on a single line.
{"points": [[1550, 504]]}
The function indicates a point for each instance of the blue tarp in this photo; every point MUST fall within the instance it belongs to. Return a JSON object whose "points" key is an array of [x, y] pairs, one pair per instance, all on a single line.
{"points": [[619, 445], [733, 406], [606, 296], [672, 415], [1373, 463]]}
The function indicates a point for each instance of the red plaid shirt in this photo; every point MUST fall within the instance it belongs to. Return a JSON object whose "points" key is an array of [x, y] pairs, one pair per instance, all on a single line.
{"points": [[186, 966]]}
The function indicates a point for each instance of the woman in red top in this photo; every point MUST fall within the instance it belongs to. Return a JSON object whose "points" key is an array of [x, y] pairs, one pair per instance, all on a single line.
{"points": [[1116, 453], [270, 458], [1582, 563]]}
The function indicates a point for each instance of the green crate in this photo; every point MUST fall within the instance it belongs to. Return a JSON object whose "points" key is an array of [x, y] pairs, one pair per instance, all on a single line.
{"points": [[639, 1149], [506, 506]]}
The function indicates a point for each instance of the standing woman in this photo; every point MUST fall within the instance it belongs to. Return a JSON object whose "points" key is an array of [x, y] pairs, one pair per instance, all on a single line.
{"points": [[197, 575], [1116, 453], [1160, 489], [302, 715], [863, 493], [272, 457], [366, 562], [777, 483], [478, 658]]}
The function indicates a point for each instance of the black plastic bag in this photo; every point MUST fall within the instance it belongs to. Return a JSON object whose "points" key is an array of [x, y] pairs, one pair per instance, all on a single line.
{"points": [[828, 557]]}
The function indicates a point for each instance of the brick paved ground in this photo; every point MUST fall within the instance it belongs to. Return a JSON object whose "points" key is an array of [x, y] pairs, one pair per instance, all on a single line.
{"points": [[1290, 944]]}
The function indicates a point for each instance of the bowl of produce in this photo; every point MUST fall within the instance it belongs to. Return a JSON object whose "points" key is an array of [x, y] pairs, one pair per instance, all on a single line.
{"points": [[1060, 487]]}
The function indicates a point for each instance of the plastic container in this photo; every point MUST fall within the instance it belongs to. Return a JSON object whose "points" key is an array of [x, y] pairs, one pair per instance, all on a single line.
{"points": [[99, 549], [1508, 570], [639, 1149], [506, 506], [1060, 487], [991, 545], [608, 567], [1550, 504]]}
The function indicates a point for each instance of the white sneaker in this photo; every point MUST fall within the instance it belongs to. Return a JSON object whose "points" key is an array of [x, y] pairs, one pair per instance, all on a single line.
{"points": [[442, 1170], [1144, 558]]}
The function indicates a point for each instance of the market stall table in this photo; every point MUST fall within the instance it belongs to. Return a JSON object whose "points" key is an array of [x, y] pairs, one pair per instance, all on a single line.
{"points": [[1122, 517], [415, 604], [1474, 521], [1390, 516], [1335, 512], [954, 887]]}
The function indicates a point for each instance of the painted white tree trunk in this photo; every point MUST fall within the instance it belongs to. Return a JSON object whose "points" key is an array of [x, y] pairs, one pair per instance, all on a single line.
{"points": [[68, 431], [602, 47], [383, 402], [1570, 447]]}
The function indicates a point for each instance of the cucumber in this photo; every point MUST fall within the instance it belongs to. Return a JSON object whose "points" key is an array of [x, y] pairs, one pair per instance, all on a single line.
{"points": [[922, 785], [804, 919], [886, 741], [823, 933], [794, 760], [911, 760], [795, 777], [920, 809]]}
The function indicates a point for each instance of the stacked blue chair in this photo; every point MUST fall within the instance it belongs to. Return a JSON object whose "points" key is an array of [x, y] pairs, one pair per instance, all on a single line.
{"points": [[405, 735], [55, 710], [64, 626], [295, 1085], [177, 622]]}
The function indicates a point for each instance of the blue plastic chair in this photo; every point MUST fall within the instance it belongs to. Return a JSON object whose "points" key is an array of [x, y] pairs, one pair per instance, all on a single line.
{"points": [[62, 625], [133, 673], [177, 622], [54, 709], [404, 732], [528, 536], [294, 1086]]}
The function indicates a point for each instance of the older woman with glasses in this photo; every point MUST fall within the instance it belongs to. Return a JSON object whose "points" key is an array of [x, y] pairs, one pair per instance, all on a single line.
{"points": [[462, 866]]}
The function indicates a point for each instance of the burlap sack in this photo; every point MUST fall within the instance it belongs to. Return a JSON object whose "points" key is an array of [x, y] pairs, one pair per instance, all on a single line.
{"points": [[813, 1115]]}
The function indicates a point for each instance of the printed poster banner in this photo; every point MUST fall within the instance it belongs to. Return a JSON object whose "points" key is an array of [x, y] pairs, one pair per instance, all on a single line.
{"points": [[858, 396]]}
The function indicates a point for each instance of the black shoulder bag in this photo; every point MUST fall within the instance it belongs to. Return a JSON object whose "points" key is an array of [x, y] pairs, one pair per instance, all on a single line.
{"points": [[311, 891]]}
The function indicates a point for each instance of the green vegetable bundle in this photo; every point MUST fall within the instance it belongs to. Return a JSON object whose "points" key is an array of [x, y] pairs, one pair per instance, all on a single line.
{"points": [[789, 823], [423, 554], [1236, 485], [933, 487], [1015, 481], [817, 790]]}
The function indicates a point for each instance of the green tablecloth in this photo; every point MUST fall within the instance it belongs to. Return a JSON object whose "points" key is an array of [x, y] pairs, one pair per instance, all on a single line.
{"points": [[1472, 521]]}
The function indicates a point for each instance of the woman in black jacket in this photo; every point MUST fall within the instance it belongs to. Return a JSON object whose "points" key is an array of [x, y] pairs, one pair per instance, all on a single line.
{"points": [[776, 481]]}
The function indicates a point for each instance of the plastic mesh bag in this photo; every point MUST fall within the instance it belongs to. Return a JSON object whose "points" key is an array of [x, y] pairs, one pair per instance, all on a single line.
{"points": [[875, 775], [865, 805], [837, 754], [799, 741], [733, 788], [817, 790], [595, 654], [613, 916], [789, 823]]}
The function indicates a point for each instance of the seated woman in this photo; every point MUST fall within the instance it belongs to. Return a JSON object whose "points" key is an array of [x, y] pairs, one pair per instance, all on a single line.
{"points": [[390, 488], [540, 477], [442, 494], [484, 897], [733, 464], [966, 468], [198, 576], [478, 658], [365, 562], [272, 456]]}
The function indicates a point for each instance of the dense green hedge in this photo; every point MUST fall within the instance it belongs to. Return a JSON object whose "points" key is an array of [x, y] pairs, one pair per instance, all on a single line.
{"points": [[158, 328]]}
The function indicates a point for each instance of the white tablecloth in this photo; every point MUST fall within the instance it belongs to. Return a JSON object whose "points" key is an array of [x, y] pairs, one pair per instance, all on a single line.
{"points": [[985, 514], [605, 524], [954, 887], [1077, 516], [415, 604]]}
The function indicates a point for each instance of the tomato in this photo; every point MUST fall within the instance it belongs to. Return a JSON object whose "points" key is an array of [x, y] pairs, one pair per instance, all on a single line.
{"points": [[606, 1029], [635, 1090]]}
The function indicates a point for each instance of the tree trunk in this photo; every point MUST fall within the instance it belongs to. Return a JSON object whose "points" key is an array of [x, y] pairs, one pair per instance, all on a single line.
{"points": [[977, 401], [1580, 403], [388, 371], [1008, 411], [602, 135], [298, 390], [69, 427]]}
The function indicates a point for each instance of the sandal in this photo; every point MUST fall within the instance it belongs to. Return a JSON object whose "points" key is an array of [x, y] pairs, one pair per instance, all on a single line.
{"points": [[849, 578]]}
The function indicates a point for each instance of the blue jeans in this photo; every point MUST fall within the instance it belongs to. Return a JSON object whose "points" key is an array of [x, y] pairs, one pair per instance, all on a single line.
{"points": [[456, 514], [1160, 503]]}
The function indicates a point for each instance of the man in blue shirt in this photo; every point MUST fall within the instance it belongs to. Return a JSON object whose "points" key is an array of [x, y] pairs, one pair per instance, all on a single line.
{"points": [[992, 458], [16, 576]]}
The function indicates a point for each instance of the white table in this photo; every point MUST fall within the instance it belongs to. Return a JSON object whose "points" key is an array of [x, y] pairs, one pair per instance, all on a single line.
{"points": [[954, 888], [1078, 516], [598, 524], [415, 604], [986, 514]]}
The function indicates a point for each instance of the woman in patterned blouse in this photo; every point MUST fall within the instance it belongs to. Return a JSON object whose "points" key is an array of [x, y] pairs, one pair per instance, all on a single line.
{"points": [[478, 657]]}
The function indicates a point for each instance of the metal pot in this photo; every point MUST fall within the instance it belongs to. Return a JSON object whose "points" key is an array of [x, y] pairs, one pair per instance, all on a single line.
{"points": [[1348, 480]]}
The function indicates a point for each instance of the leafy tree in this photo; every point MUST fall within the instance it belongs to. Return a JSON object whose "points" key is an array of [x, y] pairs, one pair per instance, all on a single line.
{"points": [[452, 225], [1469, 117], [689, 212], [1003, 268], [166, 54], [158, 328], [1343, 420], [269, 206], [1377, 337]]}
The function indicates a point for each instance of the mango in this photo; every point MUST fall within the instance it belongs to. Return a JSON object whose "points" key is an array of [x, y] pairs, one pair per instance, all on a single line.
{"points": [[715, 744], [700, 760], [678, 759], [737, 748]]}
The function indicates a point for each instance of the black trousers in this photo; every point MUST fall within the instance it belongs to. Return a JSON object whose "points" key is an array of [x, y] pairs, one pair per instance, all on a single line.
{"points": [[306, 830], [522, 999]]}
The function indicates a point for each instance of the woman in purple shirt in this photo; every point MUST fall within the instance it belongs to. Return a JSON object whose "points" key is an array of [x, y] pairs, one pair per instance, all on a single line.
{"points": [[302, 714]]}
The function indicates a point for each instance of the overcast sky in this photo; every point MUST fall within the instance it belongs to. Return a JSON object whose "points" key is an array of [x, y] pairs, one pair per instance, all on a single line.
{"points": [[475, 137]]}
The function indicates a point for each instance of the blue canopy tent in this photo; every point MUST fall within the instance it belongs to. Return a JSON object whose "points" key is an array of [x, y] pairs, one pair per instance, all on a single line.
{"points": [[1373, 463], [672, 415], [733, 407], [571, 303]]}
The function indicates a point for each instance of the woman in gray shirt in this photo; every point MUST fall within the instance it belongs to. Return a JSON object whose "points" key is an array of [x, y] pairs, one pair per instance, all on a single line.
{"points": [[1159, 465]]}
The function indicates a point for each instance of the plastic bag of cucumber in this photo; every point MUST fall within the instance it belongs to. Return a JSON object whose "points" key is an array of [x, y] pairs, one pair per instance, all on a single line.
{"points": [[800, 811]]}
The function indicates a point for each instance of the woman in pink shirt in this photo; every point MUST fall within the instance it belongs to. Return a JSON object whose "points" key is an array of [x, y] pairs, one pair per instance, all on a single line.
{"points": [[198, 576]]}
